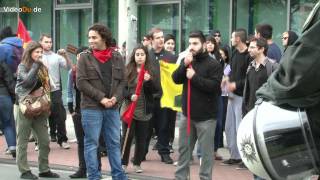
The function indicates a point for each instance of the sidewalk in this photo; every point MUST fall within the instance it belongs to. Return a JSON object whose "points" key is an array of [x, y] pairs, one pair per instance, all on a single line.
{"points": [[153, 168]]}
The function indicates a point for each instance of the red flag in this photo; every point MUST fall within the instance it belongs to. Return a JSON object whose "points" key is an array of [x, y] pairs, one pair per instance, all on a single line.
{"points": [[22, 33], [128, 114]]}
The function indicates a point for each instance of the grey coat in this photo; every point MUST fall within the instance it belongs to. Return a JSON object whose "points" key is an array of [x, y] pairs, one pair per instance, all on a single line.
{"points": [[26, 79]]}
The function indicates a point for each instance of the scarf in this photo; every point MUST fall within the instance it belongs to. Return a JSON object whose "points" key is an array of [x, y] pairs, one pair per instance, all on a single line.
{"points": [[103, 55]]}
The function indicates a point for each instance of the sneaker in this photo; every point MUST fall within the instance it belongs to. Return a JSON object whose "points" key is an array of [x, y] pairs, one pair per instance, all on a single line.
{"points": [[79, 174], [166, 159], [49, 174], [156, 146], [171, 148], [230, 162], [241, 166], [32, 139], [137, 169], [217, 157], [65, 145], [28, 175]]}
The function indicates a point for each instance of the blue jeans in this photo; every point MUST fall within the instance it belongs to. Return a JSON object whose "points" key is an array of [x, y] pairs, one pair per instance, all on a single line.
{"points": [[107, 121], [7, 120]]}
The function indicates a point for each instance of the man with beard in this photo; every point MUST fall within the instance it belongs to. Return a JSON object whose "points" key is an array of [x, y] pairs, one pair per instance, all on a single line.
{"points": [[201, 78]]}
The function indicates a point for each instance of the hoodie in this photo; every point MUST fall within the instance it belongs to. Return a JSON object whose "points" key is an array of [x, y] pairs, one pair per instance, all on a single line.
{"points": [[11, 52]]}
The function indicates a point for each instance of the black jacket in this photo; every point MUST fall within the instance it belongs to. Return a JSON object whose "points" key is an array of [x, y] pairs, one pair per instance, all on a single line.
{"points": [[149, 88], [205, 87], [239, 65], [7, 82], [155, 58]]}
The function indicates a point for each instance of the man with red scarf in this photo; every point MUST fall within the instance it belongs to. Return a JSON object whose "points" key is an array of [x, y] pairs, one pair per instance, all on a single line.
{"points": [[100, 79], [201, 77]]}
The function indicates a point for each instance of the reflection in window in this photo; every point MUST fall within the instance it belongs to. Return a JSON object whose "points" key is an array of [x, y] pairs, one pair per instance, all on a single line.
{"points": [[195, 17], [38, 23], [164, 16], [8, 19], [106, 12], [72, 1], [299, 12], [71, 28]]}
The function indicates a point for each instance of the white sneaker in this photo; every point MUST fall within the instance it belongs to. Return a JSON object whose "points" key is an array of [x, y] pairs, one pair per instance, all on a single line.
{"points": [[137, 169], [65, 145], [36, 148]]}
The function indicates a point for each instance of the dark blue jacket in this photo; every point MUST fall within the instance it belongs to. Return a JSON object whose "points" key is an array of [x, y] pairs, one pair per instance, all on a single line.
{"points": [[11, 52]]}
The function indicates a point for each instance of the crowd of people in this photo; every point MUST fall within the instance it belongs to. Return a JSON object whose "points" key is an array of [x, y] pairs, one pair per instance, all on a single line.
{"points": [[219, 86]]}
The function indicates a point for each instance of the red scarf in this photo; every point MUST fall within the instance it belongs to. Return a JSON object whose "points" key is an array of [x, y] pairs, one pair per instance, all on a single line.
{"points": [[103, 55]]}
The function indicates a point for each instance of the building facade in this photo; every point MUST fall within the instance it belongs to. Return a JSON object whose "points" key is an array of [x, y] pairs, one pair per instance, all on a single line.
{"points": [[68, 20]]}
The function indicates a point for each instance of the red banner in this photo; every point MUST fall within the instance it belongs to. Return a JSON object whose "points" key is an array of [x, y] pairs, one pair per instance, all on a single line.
{"points": [[128, 114], [22, 33]]}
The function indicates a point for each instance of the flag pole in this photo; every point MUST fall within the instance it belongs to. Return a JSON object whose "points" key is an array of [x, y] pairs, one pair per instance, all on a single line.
{"points": [[125, 141]]}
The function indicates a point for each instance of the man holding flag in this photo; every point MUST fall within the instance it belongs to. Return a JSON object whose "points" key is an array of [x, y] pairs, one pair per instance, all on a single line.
{"points": [[201, 77], [161, 114]]}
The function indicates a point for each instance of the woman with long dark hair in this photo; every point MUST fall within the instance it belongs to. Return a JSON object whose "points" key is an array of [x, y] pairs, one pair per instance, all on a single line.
{"points": [[143, 112], [32, 78]]}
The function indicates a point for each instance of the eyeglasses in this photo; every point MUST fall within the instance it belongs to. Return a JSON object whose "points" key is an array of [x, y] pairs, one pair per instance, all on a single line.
{"points": [[284, 38], [217, 35]]}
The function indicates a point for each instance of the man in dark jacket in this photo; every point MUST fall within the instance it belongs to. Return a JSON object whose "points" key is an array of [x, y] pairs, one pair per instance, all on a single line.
{"points": [[161, 116], [100, 79], [239, 63], [203, 76]]}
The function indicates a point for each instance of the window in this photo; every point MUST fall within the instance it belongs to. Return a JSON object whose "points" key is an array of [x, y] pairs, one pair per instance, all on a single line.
{"points": [[106, 12], [164, 16], [299, 11], [40, 22], [72, 1]]}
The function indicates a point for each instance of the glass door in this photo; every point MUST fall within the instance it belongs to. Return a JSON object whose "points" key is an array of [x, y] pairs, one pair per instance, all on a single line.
{"points": [[71, 28], [164, 16]]}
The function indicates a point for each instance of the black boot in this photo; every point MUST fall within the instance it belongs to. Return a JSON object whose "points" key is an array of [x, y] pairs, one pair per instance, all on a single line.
{"points": [[28, 175], [13, 153], [49, 174], [79, 174], [166, 159]]}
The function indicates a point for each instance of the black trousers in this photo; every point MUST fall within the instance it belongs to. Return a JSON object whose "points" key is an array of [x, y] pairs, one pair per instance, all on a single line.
{"points": [[57, 118], [139, 131], [166, 117], [78, 129]]}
